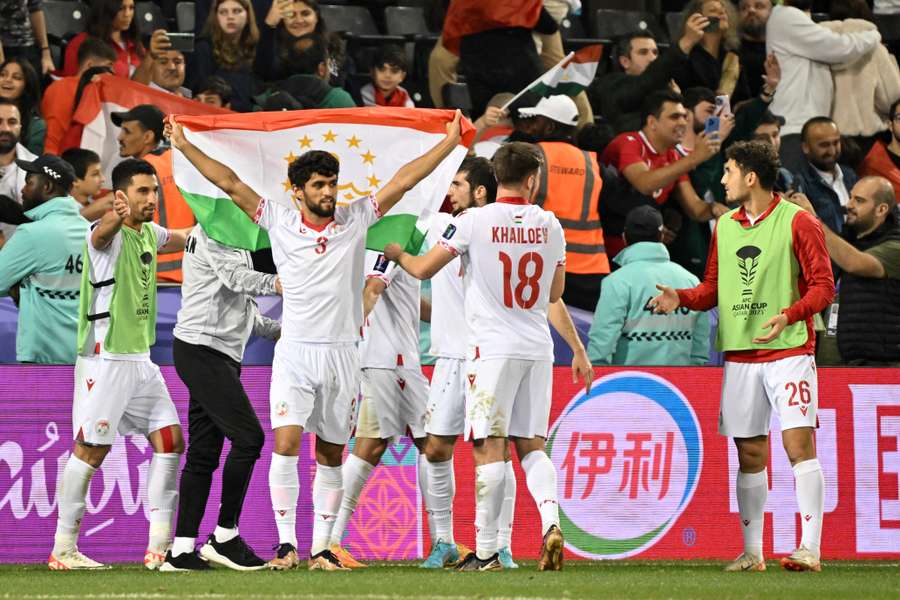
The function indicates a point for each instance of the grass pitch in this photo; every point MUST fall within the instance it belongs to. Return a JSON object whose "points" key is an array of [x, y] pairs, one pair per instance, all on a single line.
{"points": [[385, 581]]}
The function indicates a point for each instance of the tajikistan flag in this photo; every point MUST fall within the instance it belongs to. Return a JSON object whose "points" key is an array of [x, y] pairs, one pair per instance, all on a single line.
{"points": [[370, 143], [568, 77]]}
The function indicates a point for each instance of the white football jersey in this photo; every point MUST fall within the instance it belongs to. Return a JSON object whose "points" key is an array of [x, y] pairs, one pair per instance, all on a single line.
{"points": [[510, 250], [448, 316], [391, 332], [321, 269]]}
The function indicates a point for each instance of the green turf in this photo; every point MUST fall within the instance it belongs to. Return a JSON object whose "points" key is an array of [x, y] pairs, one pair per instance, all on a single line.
{"points": [[606, 580]]}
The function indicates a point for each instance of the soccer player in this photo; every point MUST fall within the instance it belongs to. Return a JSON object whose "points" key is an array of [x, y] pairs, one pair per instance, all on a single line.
{"points": [[513, 254], [217, 316], [319, 253], [768, 272], [117, 387], [473, 185]]}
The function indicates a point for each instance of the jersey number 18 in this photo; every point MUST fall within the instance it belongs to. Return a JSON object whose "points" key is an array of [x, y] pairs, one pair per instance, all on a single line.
{"points": [[531, 283]]}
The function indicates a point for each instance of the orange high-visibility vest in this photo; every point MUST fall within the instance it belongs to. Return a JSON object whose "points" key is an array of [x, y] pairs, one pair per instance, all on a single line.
{"points": [[173, 213], [570, 188]]}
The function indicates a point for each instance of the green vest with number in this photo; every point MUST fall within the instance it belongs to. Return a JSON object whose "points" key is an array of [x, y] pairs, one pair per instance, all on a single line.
{"points": [[758, 278], [132, 307]]}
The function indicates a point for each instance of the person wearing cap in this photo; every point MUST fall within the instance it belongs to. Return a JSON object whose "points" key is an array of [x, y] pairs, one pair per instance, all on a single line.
{"points": [[624, 331], [140, 136], [44, 260], [569, 188]]}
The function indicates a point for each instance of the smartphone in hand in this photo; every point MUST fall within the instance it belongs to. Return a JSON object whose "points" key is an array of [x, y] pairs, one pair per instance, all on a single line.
{"points": [[181, 41], [711, 127]]}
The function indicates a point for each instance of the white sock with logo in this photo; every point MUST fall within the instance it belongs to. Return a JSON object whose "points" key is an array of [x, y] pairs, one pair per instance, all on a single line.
{"points": [[540, 476], [328, 489], [751, 490], [441, 490], [72, 493], [507, 513], [810, 484], [488, 504], [422, 477], [162, 498], [284, 489], [355, 473]]}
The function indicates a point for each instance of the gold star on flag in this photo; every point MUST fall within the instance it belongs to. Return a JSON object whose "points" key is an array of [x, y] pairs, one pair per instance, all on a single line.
{"points": [[305, 141], [330, 136], [290, 158], [368, 157], [353, 142], [374, 181]]}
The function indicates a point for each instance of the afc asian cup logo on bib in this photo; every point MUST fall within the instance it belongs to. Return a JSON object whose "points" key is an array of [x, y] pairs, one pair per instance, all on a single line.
{"points": [[629, 457]]}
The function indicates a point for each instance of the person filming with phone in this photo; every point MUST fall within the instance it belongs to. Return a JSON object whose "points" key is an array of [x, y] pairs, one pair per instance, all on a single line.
{"points": [[165, 70]]}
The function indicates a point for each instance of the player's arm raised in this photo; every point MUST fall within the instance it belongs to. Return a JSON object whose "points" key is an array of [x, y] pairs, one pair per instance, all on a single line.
{"points": [[559, 317], [110, 223], [420, 267], [218, 174], [415, 171]]}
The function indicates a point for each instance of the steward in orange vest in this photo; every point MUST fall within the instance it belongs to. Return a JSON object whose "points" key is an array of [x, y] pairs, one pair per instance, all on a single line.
{"points": [[173, 212]]}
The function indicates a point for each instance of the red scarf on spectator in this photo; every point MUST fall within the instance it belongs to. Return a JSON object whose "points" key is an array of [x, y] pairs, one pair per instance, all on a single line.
{"points": [[397, 98]]}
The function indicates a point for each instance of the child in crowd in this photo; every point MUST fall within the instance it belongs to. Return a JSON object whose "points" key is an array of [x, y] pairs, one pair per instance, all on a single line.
{"points": [[388, 72], [214, 91]]}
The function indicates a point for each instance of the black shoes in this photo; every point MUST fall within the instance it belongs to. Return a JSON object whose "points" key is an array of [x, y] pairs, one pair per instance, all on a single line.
{"points": [[473, 563], [189, 561], [234, 554]]}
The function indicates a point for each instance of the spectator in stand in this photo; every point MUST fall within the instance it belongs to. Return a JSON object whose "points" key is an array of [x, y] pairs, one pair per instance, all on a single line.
{"points": [[866, 314], [650, 166], [821, 178], [58, 105], [769, 131], [617, 96], [88, 183], [551, 50], [12, 176], [168, 73], [714, 62], [624, 331], [23, 34], [113, 22], [863, 88], [228, 49], [308, 87], [493, 127], [805, 50], [286, 21], [753, 15], [19, 82], [140, 130], [388, 72], [884, 157], [214, 91]]}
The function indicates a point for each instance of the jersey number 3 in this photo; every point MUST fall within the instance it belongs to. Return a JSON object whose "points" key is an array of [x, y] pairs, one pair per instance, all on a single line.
{"points": [[531, 283], [321, 244]]}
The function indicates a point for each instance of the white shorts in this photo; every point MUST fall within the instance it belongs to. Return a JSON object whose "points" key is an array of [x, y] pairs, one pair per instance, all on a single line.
{"points": [[316, 387], [124, 396], [393, 401], [751, 390], [508, 397], [446, 412]]}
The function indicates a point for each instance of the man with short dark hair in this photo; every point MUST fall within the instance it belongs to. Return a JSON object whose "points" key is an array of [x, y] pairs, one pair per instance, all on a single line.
{"points": [[168, 71], [214, 91], [884, 157], [44, 259], [89, 181], [769, 274], [307, 86], [12, 177], [826, 182], [140, 130]]}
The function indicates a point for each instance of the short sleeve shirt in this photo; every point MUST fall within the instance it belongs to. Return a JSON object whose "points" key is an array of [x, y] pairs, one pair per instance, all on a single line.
{"points": [[634, 147]]}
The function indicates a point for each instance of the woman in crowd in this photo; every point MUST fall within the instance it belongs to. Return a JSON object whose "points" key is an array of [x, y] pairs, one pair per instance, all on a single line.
{"points": [[112, 21], [20, 83], [227, 49]]}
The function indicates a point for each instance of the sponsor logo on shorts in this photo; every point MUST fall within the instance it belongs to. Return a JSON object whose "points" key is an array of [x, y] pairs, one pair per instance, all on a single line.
{"points": [[102, 427], [624, 483], [471, 377], [401, 383], [90, 384], [281, 409]]}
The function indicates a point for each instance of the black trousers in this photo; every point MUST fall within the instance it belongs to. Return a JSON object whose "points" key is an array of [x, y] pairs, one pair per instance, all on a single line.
{"points": [[582, 290], [219, 409]]}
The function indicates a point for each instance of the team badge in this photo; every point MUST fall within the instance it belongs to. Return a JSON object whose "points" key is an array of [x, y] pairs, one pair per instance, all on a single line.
{"points": [[381, 263], [448, 233]]}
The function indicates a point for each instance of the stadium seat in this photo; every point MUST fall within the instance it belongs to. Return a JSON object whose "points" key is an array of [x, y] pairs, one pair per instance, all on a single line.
{"points": [[673, 24], [610, 24], [149, 17], [185, 16], [572, 27], [64, 19], [456, 95], [889, 26], [351, 19], [819, 17], [405, 20]]}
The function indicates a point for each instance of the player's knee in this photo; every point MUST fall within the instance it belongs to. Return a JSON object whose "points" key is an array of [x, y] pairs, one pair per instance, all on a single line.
{"points": [[752, 456], [437, 450], [799, 451], [90, 454]]}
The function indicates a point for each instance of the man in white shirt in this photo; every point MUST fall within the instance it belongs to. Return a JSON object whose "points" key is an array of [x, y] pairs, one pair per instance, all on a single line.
{"points": [[805, 51], [319, 254], [513, 254]]}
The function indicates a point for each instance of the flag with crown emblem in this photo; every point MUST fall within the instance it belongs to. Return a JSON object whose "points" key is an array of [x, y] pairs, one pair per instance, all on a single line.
{"points": [[371, 144]]}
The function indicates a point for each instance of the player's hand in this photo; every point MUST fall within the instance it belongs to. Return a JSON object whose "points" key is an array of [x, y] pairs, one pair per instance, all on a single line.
{"points": [[582, 369], [801, 200], [693, 32], [174, 132], [278, 289], [393, 251], [454, 128], [121, 208], [666, 302], [776, 324]]}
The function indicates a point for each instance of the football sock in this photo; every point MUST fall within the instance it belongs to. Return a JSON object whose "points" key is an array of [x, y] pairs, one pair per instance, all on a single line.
{"points": [[441, 489], [488, 503], [72, 494], [540, 476], [183, 545], [422, 477], [507, 513], [810, 484], [328, 488], [355, 473], [162, 497], [225, 534], [284, 488], [751, 490]]}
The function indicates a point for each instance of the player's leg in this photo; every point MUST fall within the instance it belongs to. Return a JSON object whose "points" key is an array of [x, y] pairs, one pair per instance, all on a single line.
{"points": [[793, 387], [745, 414], [540, 477], [507, 514]]}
